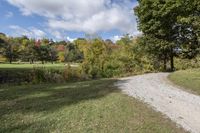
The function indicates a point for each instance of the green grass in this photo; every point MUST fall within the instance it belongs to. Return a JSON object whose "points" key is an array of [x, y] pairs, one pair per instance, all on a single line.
{"points": [[30, 66], [37, 73], [90, 106], [189, 79]]}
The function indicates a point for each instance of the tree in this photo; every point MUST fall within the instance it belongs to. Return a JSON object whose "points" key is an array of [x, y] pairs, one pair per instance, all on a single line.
{"points": [[53, 54], [128, 54], [72, 53], [164, 20], [156, 50], [125, 40], [81, 44], [95, 58], [31, 52], [45, 41], [42, 53], [11, 49], [23, 48], [188, 25], [2, 42]]}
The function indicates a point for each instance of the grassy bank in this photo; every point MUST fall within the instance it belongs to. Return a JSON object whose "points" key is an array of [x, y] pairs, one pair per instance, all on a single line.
{"points": [[30, 66], [189, 79], [90, 106], [39, 73]]}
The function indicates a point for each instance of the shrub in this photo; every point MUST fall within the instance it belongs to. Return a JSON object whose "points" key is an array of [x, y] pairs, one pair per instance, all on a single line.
{"points": [[182, 64], [14, 76], [41, 75], [38, 75]]}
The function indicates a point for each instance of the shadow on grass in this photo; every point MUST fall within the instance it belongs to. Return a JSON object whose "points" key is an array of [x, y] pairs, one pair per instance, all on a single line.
{"points": [[17, 128], [51, 97]]}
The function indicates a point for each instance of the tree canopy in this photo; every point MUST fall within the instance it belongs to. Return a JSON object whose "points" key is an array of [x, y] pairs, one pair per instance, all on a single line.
{"points": [[174, 23]]}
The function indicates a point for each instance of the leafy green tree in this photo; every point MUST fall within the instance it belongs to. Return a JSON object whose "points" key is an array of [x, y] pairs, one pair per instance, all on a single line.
{"points": [[165, 20], [45, 41], [188, 25], [11, 49], [72, 53], [95, 58], [2, 42], [42, 53], [30, 51], [82, 45], [53, 54], [156, 50], [23, 48], [125, 40]]}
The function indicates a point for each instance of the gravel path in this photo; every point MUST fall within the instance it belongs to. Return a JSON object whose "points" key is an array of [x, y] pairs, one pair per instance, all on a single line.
{"points": [[155, 90]]}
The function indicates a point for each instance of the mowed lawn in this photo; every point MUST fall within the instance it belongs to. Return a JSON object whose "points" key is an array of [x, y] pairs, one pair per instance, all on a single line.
{"points": [[189, 79], [30, 66], [89, 106]]}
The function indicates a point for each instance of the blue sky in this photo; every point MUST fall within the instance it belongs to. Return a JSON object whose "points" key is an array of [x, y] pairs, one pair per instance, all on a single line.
{"points": [[68, 19]]}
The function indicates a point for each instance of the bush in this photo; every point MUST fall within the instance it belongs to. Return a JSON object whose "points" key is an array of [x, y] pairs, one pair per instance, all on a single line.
{"points": [[14, 76], [40, 75], [182, 64]]}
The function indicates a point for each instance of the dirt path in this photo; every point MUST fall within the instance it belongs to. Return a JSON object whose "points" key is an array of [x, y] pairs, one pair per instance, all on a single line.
{"points": [[154, 89]]}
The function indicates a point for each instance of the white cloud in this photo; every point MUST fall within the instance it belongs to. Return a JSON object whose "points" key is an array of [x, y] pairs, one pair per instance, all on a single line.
{"points": [[71, 39], [37, 32], [116, 38], [31, 32], [89, 16], [9, 14], [60, 35]]}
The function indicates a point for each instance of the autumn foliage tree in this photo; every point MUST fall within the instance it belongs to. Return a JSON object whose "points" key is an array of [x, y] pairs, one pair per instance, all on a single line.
{"points": [[94, 58]]}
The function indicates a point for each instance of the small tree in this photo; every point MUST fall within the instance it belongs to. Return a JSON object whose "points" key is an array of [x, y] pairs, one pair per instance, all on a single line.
{"points": [[53, 54], [42, 53], [11, 49], [94, 58]]}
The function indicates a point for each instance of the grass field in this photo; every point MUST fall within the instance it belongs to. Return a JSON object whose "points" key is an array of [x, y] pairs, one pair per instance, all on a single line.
{"points": [[29, 66], [90, 106], [189, 79]]}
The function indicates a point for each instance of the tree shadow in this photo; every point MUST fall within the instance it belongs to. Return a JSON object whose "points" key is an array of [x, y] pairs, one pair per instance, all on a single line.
{"points": [[49, 98]]}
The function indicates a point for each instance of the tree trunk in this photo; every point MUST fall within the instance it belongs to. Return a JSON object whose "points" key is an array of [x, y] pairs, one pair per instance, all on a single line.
{"points": [[172, 59], [10, 60], [31, 61], [172, 62], [165, 62]]}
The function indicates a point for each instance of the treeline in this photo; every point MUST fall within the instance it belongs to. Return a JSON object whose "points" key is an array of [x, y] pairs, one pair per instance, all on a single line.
{"points": [[23, 49], [98, 57]]}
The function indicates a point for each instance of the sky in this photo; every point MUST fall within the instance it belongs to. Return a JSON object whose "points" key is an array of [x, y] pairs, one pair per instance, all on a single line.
{"points": [[68, 19]]}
